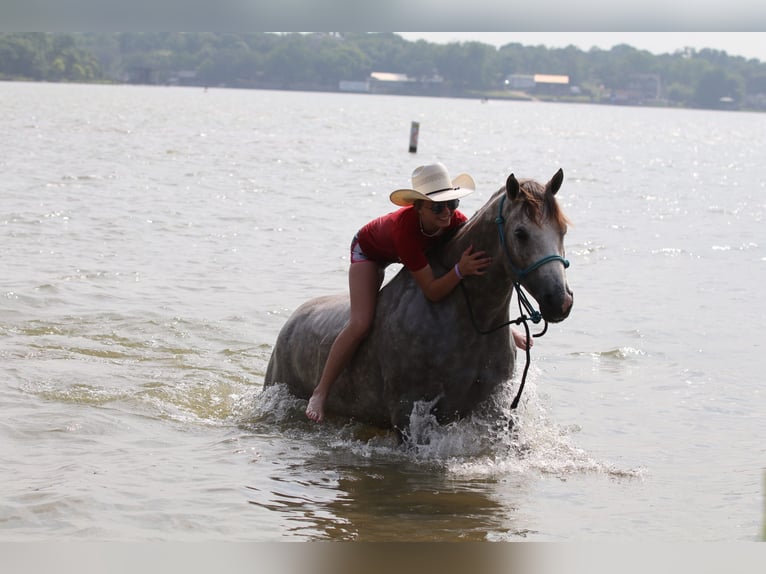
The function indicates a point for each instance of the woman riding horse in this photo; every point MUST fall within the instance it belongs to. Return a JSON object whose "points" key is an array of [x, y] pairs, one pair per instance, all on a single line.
{"points": [[452, 355], [429, 211]]}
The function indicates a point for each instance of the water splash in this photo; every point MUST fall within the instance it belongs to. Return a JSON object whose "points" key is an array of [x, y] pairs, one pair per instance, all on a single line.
{"points": [[497, 441], [493, 442]]}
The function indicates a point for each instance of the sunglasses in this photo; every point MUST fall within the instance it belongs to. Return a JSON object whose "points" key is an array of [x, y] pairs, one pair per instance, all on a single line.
{"points": [[438, 206]]}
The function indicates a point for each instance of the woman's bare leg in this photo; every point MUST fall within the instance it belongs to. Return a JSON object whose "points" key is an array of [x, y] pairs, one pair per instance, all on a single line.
{"points": [[364, 280]]}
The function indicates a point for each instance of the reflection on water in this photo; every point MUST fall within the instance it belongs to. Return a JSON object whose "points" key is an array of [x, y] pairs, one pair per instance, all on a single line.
{"points": [[465, 481], [390, 502]]}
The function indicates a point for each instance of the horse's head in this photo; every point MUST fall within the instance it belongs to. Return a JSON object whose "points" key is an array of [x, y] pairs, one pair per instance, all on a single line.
{"points": [[533, 227]]}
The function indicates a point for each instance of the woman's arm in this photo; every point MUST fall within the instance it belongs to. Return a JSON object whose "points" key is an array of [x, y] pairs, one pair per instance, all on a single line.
{"points": [[436, 288]]}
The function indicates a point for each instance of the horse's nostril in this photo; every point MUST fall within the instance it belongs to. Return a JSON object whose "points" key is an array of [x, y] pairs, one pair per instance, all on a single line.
{"points": [[568, 302], [556, 306]]}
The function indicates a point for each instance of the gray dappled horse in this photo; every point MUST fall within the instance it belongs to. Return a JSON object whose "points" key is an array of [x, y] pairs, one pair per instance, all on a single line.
{"points": [[418, 350]]}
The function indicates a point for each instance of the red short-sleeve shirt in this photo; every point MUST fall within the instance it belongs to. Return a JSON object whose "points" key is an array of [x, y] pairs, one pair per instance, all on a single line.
{"points": [[396, 238]]}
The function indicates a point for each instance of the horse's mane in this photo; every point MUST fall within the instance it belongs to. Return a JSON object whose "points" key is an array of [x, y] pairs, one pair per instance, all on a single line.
{"points": [[538, 205]]}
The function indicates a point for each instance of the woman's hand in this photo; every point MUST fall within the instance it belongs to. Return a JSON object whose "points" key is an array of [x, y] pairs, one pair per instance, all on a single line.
{"points": [[435, 289], [473, 262]]}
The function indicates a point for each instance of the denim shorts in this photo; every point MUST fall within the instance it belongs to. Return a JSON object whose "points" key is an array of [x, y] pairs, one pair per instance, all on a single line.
{"points": [[357, 255]]}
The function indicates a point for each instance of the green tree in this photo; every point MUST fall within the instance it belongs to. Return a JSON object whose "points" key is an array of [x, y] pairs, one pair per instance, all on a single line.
{"points": [[320, 61], [22, 57], [679, 94], [716, 85], [342, 61], [38, 56], [290, 61], [467, 66]]}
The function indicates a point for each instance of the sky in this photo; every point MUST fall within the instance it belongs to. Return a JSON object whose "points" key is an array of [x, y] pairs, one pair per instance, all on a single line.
{"points": [[677, 24], [746, 44]]}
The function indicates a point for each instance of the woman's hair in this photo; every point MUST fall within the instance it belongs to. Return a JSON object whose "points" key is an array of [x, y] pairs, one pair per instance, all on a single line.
{"points": [[417, 203]]}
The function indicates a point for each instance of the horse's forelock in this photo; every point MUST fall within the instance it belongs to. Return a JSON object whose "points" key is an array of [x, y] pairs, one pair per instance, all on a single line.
{"points": [[540, 205]]}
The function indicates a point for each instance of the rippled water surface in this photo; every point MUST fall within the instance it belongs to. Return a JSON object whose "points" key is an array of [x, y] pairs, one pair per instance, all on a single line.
{"points": [[154, 240]]}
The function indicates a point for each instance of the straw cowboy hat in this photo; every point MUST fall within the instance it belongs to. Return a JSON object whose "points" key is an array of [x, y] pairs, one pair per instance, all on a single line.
{"points": [[432, 183]]}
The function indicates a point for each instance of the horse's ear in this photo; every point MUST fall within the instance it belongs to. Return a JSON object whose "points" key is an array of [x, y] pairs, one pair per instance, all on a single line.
{"points": [[512, 187], [555, 183]]}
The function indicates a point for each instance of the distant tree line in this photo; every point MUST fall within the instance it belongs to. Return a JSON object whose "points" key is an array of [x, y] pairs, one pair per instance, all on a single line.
{"points": [[46, 57], [320, 61]]}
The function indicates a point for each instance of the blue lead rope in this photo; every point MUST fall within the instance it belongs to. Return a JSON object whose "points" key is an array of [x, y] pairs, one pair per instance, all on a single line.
{"points": [[534, 316]]}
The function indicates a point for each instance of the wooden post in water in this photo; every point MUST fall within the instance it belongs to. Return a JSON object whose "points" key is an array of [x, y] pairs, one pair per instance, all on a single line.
{"points": [[414, 129]]}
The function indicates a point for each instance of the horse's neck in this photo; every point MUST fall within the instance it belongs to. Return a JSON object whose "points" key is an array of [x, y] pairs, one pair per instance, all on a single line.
{"points": [[492, 291]]}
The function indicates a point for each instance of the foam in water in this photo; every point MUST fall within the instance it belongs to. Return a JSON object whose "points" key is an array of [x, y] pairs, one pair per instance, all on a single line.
{"points": [[492, 442]]}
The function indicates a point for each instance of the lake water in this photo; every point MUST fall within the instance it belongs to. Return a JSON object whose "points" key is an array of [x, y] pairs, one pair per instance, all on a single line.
{"points": [[153, 240]]}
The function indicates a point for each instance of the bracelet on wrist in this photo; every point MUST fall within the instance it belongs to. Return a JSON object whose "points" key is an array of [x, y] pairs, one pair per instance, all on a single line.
{"points": [[457, 271]]}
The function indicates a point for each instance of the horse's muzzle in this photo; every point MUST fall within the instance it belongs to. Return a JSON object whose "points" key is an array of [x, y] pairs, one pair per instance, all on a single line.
{"points": [[555, 307]]}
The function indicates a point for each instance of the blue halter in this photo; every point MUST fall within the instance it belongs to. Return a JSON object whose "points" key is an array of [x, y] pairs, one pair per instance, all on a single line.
{"points": [[521, 273]]}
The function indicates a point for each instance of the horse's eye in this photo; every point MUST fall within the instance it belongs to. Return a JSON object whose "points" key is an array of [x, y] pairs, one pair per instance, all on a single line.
{"points": [[521, 234]]}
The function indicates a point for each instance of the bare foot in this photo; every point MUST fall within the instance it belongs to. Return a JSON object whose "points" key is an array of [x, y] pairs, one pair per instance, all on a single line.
{"points": [[315, 410], [521, 340]]}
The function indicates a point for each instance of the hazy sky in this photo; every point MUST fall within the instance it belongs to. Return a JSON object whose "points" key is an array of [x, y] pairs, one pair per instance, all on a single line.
{"points": [[596, 20], [747, 44]]}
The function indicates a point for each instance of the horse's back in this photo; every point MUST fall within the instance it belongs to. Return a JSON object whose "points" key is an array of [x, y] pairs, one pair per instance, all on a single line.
{"points": [[304, 342]]}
